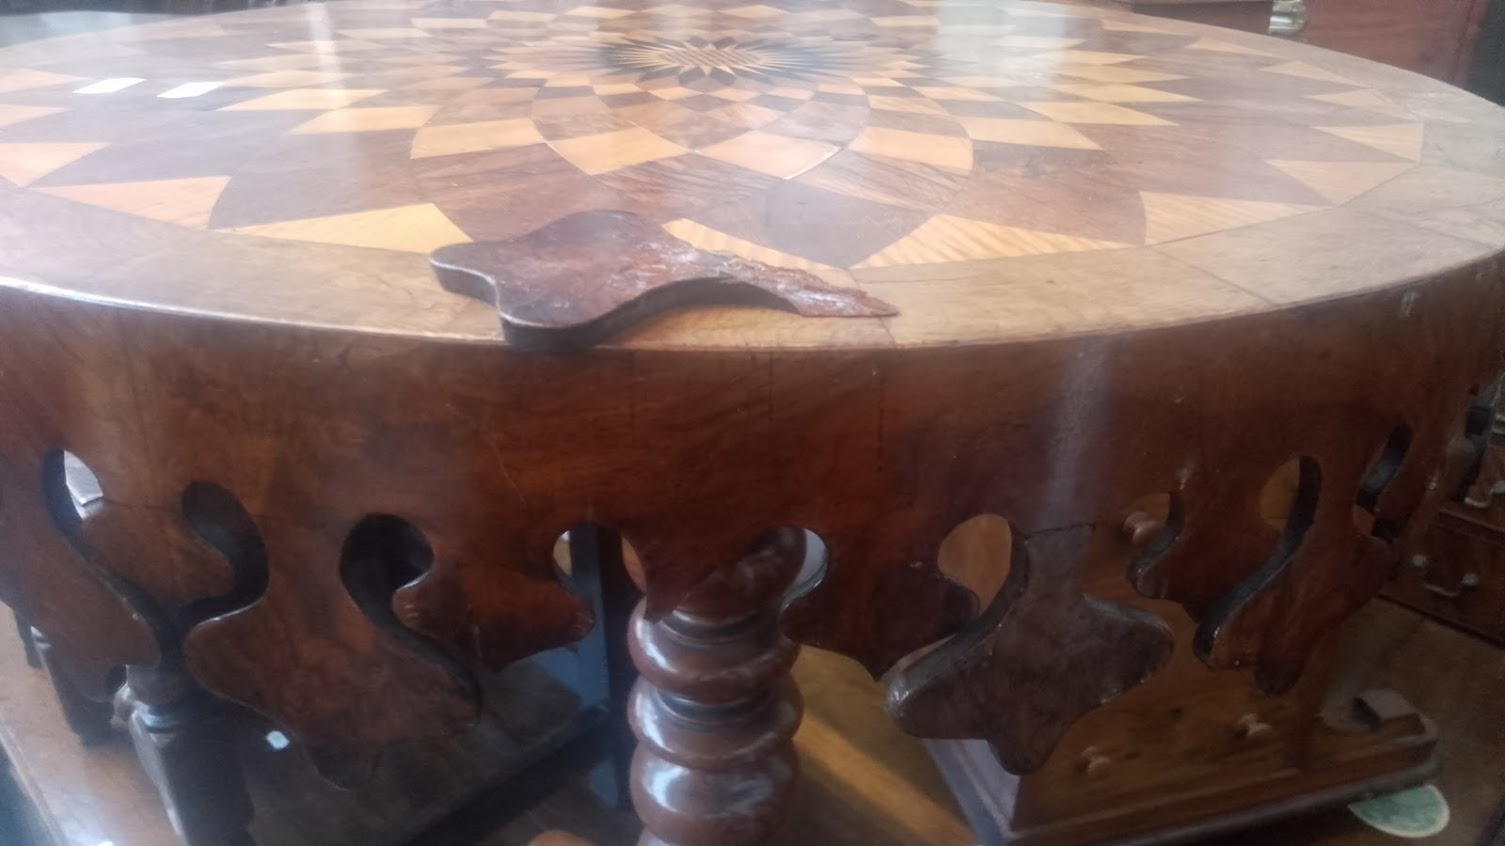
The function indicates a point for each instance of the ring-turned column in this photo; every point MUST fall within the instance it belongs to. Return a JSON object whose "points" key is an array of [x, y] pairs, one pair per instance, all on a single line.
{"points": [[715, 710]]}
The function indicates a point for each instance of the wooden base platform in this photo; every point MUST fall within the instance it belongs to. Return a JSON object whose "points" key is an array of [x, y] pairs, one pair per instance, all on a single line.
{"points": [[1344, 766]]}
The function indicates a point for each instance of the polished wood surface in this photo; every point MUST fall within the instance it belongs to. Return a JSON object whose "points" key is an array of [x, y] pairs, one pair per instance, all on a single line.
{"points": [[1042, 145], [250, 442]]}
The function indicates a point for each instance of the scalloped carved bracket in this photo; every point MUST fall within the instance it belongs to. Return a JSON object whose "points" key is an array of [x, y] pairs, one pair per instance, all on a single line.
{"points": [[1038, 659], [1358, 508], [582, 279], [313, 635], [491, 613], [49, 579], [865, 575]]}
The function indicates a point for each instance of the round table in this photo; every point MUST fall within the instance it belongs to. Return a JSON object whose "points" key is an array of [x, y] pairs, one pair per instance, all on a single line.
{"points": [[319, 324]]}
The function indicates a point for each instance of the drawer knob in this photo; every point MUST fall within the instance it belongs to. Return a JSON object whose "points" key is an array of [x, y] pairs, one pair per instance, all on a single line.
{"points": [[1467, 582]]}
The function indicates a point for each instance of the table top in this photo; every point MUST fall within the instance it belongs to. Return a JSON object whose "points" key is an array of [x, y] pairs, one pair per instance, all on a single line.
{"points": [[993, 171]]}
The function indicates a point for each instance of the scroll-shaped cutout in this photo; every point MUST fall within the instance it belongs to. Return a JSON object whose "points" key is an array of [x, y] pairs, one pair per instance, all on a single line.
{"points": [[1382, 471], [813, 568], [71, 493], [1152, 527], [976, 554], [376, 681], [1299, 519], [381, 554], [217, 518], [71, 490], [1039, 658], [582, 279], [83, 486], [589, 533], [872, 571]]}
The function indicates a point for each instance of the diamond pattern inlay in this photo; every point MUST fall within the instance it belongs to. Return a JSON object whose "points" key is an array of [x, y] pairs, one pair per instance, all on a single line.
{"points": [[905, 117]]}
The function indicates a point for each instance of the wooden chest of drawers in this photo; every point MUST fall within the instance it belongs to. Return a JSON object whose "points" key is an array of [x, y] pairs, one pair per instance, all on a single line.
{"points": [[1247, 15], [1433, 37], [1460, 578]]}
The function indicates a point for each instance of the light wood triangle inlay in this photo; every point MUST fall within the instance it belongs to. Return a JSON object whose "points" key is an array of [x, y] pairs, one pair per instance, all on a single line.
{"points": [[24, 164], [418, 229], [1398, 139], [1339, 182], [946, 238], [187, 202], [1171, 217]]}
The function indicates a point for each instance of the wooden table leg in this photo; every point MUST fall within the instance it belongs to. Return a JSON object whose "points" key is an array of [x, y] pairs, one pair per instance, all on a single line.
{"points": [[176, 731], [715, 710]]}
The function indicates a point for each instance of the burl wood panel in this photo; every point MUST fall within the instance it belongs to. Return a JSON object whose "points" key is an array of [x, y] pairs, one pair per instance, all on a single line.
{"points": [[591, 275], [1015, 651], [1129, 257], [489, 455]]}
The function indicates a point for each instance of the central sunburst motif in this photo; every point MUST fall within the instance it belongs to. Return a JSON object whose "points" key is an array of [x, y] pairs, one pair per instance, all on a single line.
{"points": [[723, 59], [701, 59]]}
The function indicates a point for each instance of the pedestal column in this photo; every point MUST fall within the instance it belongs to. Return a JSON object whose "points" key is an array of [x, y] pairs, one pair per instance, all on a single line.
{"points": [[714, 710]]}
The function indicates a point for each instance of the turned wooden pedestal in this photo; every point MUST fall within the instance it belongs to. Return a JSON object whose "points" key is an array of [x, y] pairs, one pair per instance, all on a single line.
{"points": [[715, 710]]}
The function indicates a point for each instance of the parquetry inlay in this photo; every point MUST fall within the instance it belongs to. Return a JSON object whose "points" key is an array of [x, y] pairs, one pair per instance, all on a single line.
{"points": [[723, 121]]}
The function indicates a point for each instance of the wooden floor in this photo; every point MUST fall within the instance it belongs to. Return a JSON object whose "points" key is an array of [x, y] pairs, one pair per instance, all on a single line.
{"points": [[865, 783]]}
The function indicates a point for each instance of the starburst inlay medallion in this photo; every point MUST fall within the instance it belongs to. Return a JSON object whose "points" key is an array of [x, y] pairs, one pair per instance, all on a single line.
{"points": [[844, 136], [724, 59]]}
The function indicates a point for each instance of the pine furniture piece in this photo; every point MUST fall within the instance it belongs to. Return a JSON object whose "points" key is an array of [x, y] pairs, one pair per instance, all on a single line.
{"points": [[320, 324]]}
